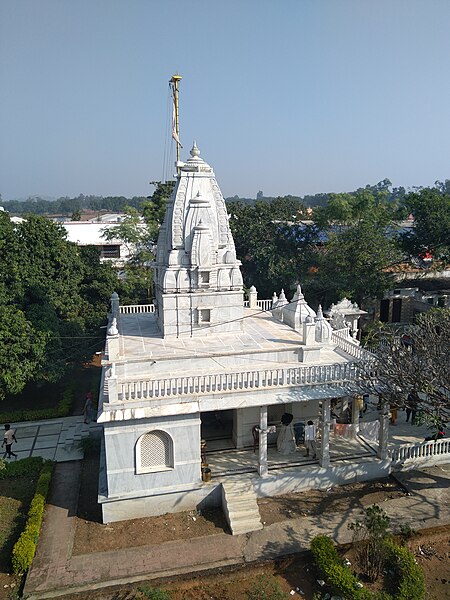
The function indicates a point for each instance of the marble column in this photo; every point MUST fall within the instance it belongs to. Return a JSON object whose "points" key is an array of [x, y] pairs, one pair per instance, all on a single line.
{"points": [[355, 417], [324, 424], [262, 456], [383, 435]]}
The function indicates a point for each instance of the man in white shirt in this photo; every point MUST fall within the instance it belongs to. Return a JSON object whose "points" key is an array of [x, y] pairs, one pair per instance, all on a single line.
{"points": [[8, 439], [310, 439]]}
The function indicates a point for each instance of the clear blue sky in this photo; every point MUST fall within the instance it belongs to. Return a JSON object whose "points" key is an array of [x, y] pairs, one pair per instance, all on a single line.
{"points": [[284, 96]]}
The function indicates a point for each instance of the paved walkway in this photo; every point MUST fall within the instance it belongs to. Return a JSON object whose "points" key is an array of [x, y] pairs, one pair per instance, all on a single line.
{"points": [[53, 439], [56, 572]]}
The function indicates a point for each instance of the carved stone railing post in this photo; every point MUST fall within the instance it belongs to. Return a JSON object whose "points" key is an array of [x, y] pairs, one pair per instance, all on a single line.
{"points": [[253, 297]]}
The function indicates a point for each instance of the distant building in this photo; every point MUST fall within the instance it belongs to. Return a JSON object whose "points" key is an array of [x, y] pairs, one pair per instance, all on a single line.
{"points": [[89, 233], [412, 297]]}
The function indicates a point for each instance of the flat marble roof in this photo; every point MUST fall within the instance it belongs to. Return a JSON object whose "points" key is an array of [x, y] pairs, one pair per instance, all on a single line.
{"points": [[140, 339]]}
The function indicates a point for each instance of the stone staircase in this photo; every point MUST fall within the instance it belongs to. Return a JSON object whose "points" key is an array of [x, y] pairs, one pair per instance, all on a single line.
{"points": [[240, 507]]}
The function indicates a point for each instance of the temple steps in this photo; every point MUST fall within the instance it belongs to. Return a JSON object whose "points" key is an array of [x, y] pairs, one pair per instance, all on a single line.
{"points": [[240, 507]]}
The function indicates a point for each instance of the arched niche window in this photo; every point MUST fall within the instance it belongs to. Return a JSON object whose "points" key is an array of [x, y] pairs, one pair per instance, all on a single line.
{"points": [[154, 452]]}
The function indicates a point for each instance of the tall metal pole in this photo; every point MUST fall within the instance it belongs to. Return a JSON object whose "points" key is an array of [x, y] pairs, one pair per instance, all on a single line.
{"points": [[174, 85]]}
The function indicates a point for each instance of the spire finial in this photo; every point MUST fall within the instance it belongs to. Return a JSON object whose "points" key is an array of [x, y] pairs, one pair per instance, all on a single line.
{"points": [[195, 151]]}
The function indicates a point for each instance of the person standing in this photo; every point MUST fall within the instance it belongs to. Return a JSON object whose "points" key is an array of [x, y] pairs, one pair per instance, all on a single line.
{"points": [[310, 439], [8, 439], [286, 437], [87, 411], [411, 408]]}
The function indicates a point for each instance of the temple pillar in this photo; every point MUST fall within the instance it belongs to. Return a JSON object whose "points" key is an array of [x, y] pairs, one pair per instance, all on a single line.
{"points": [[324, 425], [355, 416], [263, 468], [383, 435]]}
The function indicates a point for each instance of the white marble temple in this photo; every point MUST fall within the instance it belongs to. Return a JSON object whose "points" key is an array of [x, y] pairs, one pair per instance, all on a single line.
{"points": [[199, 352]]}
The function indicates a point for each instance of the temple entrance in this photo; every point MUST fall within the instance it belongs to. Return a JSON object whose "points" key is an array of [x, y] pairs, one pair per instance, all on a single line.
{"points": [[217, 429]]}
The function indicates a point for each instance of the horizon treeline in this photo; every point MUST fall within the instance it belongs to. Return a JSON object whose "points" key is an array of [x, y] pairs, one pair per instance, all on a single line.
{"points": [[66, 206]]}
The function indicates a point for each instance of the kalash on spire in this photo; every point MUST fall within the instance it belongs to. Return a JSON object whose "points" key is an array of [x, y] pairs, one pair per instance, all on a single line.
{"points": [[198, 283]]}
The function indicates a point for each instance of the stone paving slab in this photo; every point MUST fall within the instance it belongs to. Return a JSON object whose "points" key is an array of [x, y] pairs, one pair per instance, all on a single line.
{"points": [[45, 453], [46, 441]]}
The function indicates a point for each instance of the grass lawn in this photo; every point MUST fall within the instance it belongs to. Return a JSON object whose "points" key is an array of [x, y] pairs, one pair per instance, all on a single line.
{"points": [[15, 498]]}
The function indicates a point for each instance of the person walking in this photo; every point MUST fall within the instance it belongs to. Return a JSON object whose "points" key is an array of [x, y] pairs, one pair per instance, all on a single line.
{"points": [[310, 439], [8, 439]]}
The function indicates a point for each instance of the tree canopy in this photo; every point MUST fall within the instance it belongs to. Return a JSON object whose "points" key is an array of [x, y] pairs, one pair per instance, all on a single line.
{"points": [[139, 233], [430, 208], [53, 298], [413, 360]]}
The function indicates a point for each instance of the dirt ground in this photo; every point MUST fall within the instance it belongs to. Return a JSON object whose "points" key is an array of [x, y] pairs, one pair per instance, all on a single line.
{"points": [[333, 500]]}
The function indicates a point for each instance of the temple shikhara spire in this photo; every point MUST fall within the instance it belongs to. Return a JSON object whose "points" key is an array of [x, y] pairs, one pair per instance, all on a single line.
{"points": [[198, 283]]}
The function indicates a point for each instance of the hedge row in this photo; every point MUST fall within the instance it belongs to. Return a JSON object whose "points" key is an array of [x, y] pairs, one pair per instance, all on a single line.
{"points": [[26, 467], [408, 574], [25, 547], [61, 410]]}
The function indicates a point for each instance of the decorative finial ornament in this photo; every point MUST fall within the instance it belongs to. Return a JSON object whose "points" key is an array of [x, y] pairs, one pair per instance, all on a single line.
{"points": [[112, 330], [195, 151], [319, 313]]}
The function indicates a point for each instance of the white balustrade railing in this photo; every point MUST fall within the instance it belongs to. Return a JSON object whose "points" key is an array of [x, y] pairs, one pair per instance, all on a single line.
{"points": [[261, 304], [264, 304], [150, 308], [237, 381], [347, 345], [420, 450], [136, 308]]}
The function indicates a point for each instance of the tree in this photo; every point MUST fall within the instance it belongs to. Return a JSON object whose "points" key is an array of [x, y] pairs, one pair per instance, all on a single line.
{"points": [[352, 263], [139, 234], [22, 350], [267, 242], [53, 298], [413, 360], [154, 209], [430, 208], [359, 246]]}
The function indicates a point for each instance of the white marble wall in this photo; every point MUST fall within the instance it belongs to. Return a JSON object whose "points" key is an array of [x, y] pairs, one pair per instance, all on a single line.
{"points": [[178, 315], [120, 449]]}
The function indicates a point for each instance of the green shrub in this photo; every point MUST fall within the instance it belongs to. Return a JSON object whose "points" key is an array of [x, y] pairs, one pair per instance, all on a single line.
{"points": [[23, 553], [411, 580], [266, 588], [324, 551], [153, 593], [25, 547], [61, 410], [25, 467]]}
